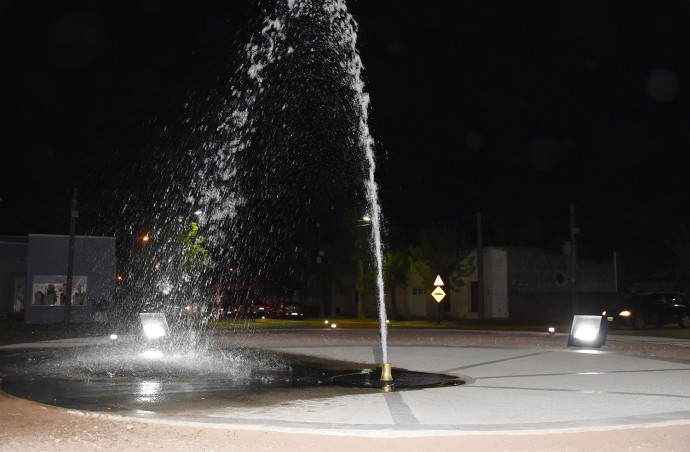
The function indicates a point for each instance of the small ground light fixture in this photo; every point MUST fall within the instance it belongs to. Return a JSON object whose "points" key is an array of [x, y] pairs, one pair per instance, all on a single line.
{"points": [[326, 322], [333, 325], [113, 337], [552, 330]]}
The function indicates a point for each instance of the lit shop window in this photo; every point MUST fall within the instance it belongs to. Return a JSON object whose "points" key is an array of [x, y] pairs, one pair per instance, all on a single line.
{"points": [[51, 290]]}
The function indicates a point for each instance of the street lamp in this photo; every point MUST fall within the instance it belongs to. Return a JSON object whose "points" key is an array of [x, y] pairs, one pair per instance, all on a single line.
{"points": [[200, 217]]}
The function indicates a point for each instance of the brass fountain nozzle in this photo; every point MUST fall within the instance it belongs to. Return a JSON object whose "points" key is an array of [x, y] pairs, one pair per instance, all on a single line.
{"points": [[386, 374]]}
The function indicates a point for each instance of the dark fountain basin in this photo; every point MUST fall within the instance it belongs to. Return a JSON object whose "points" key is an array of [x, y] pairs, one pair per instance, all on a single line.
{"points": [[135, 379]]}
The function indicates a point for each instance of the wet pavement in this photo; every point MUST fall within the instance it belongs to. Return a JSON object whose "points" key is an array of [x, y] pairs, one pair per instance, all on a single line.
{"points": [[514, 383]]}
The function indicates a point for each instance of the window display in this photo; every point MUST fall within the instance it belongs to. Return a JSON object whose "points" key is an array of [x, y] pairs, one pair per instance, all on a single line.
{"points": [[51, 290]]}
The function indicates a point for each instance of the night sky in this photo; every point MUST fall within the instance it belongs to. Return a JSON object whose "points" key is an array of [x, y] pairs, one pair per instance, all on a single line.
{"points": [[514, 109]]}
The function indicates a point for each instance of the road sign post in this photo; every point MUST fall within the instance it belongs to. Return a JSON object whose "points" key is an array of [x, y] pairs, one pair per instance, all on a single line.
{"points": [[438, 295]]}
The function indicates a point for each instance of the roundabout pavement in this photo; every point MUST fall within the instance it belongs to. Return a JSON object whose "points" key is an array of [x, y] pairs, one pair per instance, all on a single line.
{"points": [[517, 384], [507, 390]]}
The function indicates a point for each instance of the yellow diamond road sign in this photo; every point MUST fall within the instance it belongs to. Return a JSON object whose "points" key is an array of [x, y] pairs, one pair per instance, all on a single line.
{"points": [[438, 294]]}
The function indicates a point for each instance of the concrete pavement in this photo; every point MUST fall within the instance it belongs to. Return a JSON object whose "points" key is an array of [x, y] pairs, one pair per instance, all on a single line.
{"points": [[508, 390]]}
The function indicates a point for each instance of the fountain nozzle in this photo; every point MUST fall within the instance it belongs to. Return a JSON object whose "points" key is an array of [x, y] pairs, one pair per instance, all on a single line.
{"points": [[386, 374]]}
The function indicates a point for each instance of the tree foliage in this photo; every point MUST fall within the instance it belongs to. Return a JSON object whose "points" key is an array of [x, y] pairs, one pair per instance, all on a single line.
{"points": [[396, 267], [194, 254], [679, 246], [443, 249]]}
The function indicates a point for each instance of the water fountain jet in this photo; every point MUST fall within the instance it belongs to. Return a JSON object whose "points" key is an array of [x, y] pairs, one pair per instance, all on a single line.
{"points": [[241, 219], [299, 112]]}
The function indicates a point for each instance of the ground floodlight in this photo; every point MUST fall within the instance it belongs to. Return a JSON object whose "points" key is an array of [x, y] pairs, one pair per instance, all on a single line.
{"points": [[587, 331], [154, 324]]}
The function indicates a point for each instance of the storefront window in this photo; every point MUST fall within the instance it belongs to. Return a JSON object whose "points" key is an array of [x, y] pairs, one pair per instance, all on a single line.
{"points": [[51, 290]]}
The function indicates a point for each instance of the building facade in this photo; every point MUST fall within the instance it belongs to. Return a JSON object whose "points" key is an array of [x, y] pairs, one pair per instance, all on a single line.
{"points": [[14, 252], [518, 283], [33, 277]]}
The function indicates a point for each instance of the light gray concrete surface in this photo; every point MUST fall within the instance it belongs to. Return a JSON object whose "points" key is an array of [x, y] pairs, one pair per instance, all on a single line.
{"points": [[507, 391]]}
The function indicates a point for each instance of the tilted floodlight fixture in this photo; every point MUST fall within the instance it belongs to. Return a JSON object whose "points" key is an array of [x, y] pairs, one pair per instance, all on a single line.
{"points": [[588, 331], [154, 324]]}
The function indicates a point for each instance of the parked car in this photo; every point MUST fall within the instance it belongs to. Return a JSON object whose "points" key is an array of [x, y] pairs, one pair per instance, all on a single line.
{"points": [[261, 311], [292, 311], [655, 308], [239, 311]]}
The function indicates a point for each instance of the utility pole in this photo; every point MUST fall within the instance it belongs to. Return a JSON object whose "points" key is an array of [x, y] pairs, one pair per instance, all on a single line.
{"points": [[74, 214], [480, 267], [573, 260], [615, 271], [319, 263]]}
